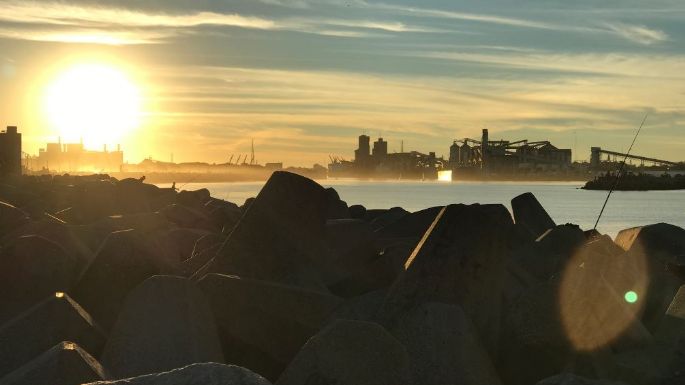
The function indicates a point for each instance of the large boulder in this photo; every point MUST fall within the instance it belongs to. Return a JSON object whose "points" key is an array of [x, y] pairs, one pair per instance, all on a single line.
{"points": [[195, 374], [262, 325], [530, 215], [443, 346], [388, 217], [32, 268], [461, 260], [660, 246], [64, 364], [280, 236], [183, 241], [193, 198], [412, 225], [11, 218], [349, 353], [184, 216], [56, 319], [125, 259], [134, 196], [335, 207], [548, 255], [165, 323]]}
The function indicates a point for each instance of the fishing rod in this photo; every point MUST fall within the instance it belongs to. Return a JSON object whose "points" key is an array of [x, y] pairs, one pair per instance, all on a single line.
{"points": [[620, 171]]}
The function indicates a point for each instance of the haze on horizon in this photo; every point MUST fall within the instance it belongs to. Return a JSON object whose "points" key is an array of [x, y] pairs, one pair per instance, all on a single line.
{"points": [[304, 78]]}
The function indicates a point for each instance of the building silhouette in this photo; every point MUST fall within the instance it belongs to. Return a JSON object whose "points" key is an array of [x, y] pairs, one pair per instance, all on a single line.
{"points": [[73, 157], [10, 152]]}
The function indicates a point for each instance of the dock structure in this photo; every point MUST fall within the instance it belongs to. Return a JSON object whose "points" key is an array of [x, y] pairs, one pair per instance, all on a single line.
{"points": [[597, 152]]}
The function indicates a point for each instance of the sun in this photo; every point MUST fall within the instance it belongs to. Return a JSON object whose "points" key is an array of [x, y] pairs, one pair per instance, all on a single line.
{"points": [[96, 103]]}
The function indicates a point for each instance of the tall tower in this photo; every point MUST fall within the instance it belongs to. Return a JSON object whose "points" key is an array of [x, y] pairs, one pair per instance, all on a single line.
{"points": [[10, 152], [484, 148]]}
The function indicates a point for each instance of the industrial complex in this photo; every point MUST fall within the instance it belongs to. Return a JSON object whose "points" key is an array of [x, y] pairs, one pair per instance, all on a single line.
{"points": [[469, 159], [481, 159], [73, 157]]}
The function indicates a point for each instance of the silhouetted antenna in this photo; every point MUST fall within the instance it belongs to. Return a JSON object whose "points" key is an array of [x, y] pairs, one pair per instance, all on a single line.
{"points": [[252, 154], [620, 171], [402, 147]]}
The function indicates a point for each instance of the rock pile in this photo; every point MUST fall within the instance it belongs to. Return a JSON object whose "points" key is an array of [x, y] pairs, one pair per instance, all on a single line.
{"points": [[107, 281]]}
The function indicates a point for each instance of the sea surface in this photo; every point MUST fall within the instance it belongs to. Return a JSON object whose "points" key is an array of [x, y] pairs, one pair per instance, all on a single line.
{"points": [[564, 201]]}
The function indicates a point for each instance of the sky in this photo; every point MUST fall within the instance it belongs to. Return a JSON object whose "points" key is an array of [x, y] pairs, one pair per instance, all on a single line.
{"points": [[304, 78]]}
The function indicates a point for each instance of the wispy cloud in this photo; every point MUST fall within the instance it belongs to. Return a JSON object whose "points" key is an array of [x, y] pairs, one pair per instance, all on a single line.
{"points": [[638, 33], [65, 14]]}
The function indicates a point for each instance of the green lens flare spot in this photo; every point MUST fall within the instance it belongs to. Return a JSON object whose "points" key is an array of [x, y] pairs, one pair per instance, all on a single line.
{"points": [[630, 297]]}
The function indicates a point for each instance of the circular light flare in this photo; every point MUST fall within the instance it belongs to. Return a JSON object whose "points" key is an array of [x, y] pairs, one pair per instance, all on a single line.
{"points": [[630, 297], [93, 102]]}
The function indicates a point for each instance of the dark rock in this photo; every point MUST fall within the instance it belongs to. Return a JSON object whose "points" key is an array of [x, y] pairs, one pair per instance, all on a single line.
{"points": [[349, 353], [388, 218], [444, 347], [658, 246], [184, 240], [534, 343], [188, 217], [204, 250], [133, 196], [360, 308], [279, 238], [56, 319], [572, 379], [225, 215], [194, 199], [64, 364], [412, 225], [662, 240], [93, 200], [262, 325], [548, 255], [11, 218], [335, 207], [125, 259], [195, 374], [32, 268], [357, 211], [165, 323], [353, 269], [530, 214], [461, 260], [58, 232]]}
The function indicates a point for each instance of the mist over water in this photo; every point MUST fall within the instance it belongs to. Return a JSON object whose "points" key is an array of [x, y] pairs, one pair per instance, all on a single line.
{"points": [[564, 201]]}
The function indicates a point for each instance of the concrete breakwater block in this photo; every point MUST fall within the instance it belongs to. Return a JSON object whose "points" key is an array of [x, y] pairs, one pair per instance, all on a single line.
{"points": [[165, 323], [659, 247], [64, 364], [349, 353], [56, 319], [262, 325], [444, 347], [195, 374], [280, 235], [125, 259], [460, 260], [32, 268], [11, 218], [529, 214]]}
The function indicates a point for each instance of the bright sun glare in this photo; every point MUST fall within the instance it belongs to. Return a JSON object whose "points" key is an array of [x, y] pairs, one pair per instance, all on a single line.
{"points": [[94, 102]]}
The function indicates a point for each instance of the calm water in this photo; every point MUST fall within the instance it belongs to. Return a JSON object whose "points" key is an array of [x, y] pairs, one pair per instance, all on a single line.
{"points": [[563, 200]]}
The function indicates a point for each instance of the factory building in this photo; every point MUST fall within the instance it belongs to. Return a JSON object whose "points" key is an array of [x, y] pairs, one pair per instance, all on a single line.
{"points": [[10, 152], [508, 156], [73, 157]]}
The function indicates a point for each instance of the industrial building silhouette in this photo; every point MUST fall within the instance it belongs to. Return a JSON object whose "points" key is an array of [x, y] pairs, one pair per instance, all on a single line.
{"points": [[10, 152]]}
